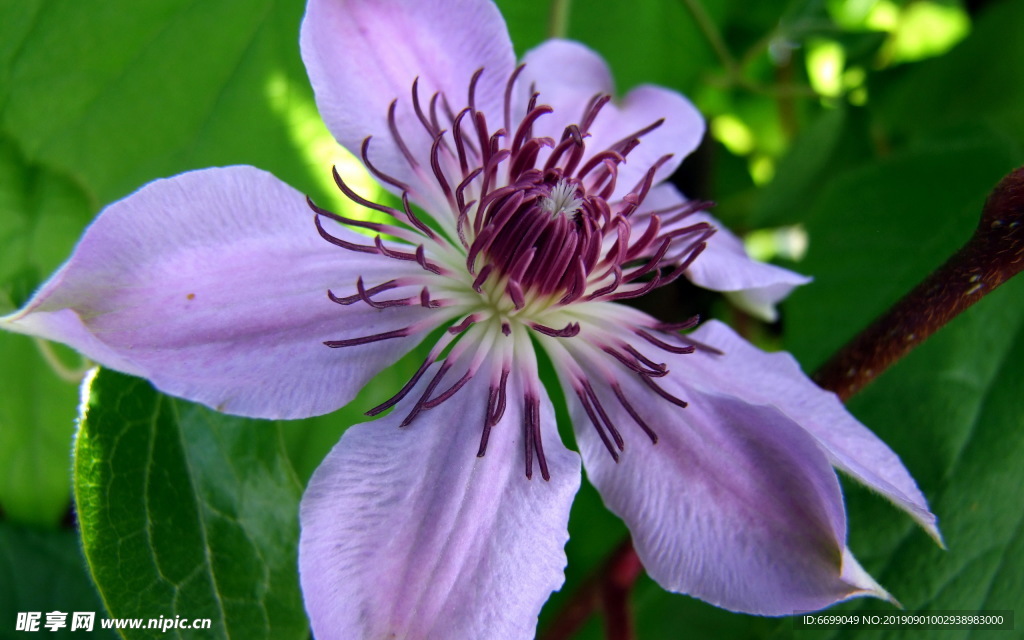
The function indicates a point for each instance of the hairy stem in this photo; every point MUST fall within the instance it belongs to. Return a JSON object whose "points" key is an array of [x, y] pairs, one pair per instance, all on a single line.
{"points": [[994, 254], [608, 590]]}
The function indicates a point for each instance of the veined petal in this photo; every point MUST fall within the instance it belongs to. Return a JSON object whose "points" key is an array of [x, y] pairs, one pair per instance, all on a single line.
{"points": [[407, 534], [776, 379], [568, 74], [212, 284], [363, 54], [735, 504], [725, 266], [679, 134]]}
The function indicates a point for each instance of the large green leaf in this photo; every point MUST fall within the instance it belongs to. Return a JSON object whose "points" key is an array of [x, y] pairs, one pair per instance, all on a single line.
{"points": [[979, 81], [120, 93], [185, 511]]}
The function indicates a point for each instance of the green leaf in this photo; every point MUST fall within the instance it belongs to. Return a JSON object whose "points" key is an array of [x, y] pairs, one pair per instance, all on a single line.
{"points": [[42, 571], [879, 229], [120, 93], [951, 409], [37, 420], [185, 511], [978, 82], [41, 214]]}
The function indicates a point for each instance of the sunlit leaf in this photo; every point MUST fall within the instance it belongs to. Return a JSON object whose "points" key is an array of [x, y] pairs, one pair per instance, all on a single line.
{"points": [[185, 511]]}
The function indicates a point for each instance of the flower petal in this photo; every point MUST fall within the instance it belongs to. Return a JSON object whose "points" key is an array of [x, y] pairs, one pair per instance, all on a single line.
{"points": [[568, 74], [363, 54], [724, 264], [212, 284], [776, 379], [406, 533], [735, 504]]}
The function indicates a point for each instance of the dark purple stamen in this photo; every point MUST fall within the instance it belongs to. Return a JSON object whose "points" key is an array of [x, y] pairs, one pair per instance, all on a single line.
{"points": [[568, 331], [633, 413], [425, 397], [539, 222], [451, 391], [633, 365], [347, 300], [377, 337], [661, 344], [585, 401], [661, 392], [496, 398], [531, 420]]}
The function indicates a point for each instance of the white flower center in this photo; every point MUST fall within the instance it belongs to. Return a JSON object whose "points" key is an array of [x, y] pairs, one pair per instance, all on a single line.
{"points": [[562, 199]]}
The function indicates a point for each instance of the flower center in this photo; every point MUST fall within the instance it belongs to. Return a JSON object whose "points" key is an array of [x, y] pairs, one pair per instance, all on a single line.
{"points": [[526, 231], [562, 199]]}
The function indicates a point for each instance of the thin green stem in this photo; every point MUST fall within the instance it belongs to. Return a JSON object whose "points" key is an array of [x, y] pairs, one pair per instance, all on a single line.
{"points": [[711, 34], [558, 18], [64, 372]]}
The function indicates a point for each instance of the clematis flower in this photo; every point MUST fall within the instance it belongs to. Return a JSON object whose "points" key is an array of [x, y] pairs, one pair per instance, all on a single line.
{"points": [[532, 204]]}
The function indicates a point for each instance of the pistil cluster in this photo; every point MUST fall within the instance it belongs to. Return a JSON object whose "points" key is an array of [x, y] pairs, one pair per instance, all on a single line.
{"points": [[529, 246]]}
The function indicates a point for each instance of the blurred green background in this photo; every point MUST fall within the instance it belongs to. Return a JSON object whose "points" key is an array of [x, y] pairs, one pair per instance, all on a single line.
{"points": [[852, 140]]}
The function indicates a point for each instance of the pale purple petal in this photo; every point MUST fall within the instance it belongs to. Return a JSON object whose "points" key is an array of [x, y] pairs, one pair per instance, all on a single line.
{"points": [[776, 379], [213, 284], [735, 504], [406, 533], [567, 74], [363, 54], [724, 264]]}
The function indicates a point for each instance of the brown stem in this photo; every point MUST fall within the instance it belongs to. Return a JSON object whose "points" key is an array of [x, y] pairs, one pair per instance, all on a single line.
{"points": [[608, 589], [994, 254]]}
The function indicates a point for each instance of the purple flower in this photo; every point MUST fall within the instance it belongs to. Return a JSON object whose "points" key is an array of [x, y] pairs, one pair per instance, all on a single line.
{"points": [[532, 203]]}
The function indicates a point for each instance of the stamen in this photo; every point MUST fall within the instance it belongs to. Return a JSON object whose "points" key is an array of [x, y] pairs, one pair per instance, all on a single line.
{"points": [[634, 365], [661, 392], [619, 442], [377, 337], [452, 390], [568, 331], [380, 175], [472, 88], [347, 300], [395, 399], [427, 124], [593, 108], [678, 326], [421, 403], [644, 359], [585, 401], [541, 235], [426, 302], [671, 348], [495, 410], [531, 426], [633, 413], [393, 127], [338, 242], [465, 324], [508, 95]]}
